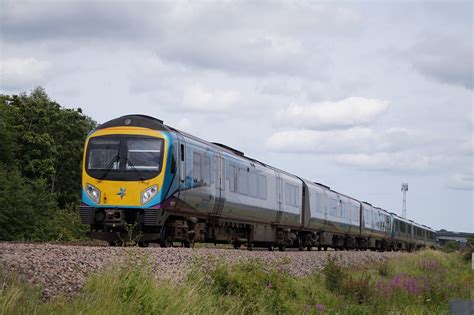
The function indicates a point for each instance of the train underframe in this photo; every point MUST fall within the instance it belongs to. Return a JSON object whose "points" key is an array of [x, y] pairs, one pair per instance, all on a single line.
{"points": [[119, 227]]}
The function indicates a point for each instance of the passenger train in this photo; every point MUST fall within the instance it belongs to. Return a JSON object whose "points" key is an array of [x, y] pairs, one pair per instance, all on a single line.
{"points": [[146, 181]]}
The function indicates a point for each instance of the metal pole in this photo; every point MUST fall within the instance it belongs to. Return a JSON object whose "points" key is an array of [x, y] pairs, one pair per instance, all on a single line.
{"points": [[404, 204]]}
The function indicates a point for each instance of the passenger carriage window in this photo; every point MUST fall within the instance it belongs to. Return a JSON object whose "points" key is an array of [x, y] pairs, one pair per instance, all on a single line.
{"points": [[242, 181], [297, 194], [317, 202], [206, 170], [262, 187], [253, 184], [333, 204], [197, 178], [231, 177], [291, 195], [287, 194]]}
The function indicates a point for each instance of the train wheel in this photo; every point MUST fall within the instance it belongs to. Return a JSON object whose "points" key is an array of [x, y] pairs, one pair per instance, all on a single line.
{"points": [[166, 243], [281, 248], [143, 244], [250, 246], [308, 248], [188, 244], [270, 247]]}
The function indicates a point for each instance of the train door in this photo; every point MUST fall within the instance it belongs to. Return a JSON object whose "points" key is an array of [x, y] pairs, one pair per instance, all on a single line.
{"points": [[219, 183], [181, 167], [325, 208], [200, 181]]}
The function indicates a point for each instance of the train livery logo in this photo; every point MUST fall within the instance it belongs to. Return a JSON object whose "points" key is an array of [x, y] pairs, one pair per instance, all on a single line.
{"points": [[121, 192]]}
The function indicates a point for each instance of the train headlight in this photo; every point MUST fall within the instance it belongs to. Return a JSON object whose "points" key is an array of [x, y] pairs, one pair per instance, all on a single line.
{"points": [[149, 193], [93, 193]]}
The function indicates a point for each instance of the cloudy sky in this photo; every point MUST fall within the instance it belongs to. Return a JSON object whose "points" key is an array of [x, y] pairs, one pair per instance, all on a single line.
{"points": [[361, 96]]}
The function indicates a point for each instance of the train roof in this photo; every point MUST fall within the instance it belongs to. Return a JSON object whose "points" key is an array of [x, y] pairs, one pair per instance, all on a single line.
{"points": [[136, 120]]}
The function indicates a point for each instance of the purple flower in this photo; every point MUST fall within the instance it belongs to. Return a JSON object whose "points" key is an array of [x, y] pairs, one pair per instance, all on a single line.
{"points": [[320, 308], [308, 308], [269, 285]]}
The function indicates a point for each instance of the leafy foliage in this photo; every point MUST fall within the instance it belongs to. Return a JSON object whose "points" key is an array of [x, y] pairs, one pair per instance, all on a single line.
{"points": [[451, 246], [40, 166]]}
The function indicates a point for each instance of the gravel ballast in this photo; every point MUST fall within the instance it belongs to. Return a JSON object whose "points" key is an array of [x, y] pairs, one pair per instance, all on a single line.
{"points": [[63, 269]]}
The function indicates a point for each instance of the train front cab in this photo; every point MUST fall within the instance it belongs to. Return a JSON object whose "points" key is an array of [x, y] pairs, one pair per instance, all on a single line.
{"points": [[126, 177]]}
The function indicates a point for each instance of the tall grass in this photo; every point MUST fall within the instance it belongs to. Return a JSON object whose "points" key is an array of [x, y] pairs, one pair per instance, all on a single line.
{"points": [[421, 283]]}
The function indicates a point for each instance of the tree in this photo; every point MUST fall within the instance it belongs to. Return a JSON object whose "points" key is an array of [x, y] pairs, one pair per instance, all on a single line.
{"points": [[40, 167], [48, 141]]}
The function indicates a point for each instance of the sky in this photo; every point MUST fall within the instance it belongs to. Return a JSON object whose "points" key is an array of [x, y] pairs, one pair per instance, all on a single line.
{"points": [[360, 96]]}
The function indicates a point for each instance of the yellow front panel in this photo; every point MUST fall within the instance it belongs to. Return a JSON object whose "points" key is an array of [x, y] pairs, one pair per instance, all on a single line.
{"points": [[124, 193]]}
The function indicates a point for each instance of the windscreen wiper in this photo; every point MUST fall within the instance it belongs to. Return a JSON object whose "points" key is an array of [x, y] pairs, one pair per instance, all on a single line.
{"points": [[109, 166], [132, 166]]}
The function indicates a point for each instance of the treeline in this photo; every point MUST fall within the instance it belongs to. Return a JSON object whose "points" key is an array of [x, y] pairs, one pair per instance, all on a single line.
{"points": [[41, 147]]}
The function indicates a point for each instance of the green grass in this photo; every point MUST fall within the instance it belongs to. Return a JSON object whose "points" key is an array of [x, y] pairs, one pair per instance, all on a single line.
{"points": [[420, 283]]}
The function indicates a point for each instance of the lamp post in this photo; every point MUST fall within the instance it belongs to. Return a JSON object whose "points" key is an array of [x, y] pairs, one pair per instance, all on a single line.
{"points": [[404, 205]]}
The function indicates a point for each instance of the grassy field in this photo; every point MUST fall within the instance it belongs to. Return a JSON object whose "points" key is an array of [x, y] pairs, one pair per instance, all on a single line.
{"points": [[420, 283]]}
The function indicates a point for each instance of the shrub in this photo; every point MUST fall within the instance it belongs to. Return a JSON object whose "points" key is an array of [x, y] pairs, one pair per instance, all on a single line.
{"points": [[359, 289], [451, 246], [334, 275], [383, 269]]}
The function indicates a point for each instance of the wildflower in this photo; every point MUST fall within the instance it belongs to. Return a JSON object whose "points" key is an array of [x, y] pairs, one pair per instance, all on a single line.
{"points": [[308, 308], [269, 285], [320, 308]]}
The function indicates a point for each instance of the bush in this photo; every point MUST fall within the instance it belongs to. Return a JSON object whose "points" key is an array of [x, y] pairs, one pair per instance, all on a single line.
{"points": [[383, 269], [451, 246], [334, 275], [29, 212]]}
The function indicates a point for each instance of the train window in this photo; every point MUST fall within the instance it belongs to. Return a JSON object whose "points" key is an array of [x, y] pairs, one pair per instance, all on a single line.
{"points": [[262, 187], [343, 206], [402, 226], [296, 192], [291, 195], [102, 152], [197, 178], [333, 206], [242, 181], [355, 213], [206, 170], [253, 184], [317, 202], [143, 154], [231, 173]]}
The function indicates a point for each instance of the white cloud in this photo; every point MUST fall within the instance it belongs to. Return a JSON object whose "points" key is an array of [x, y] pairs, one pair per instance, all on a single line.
{"points": [[352, 111], [391, 161], [198, 98], [354, 140], [23, 73], [461, 181]]}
